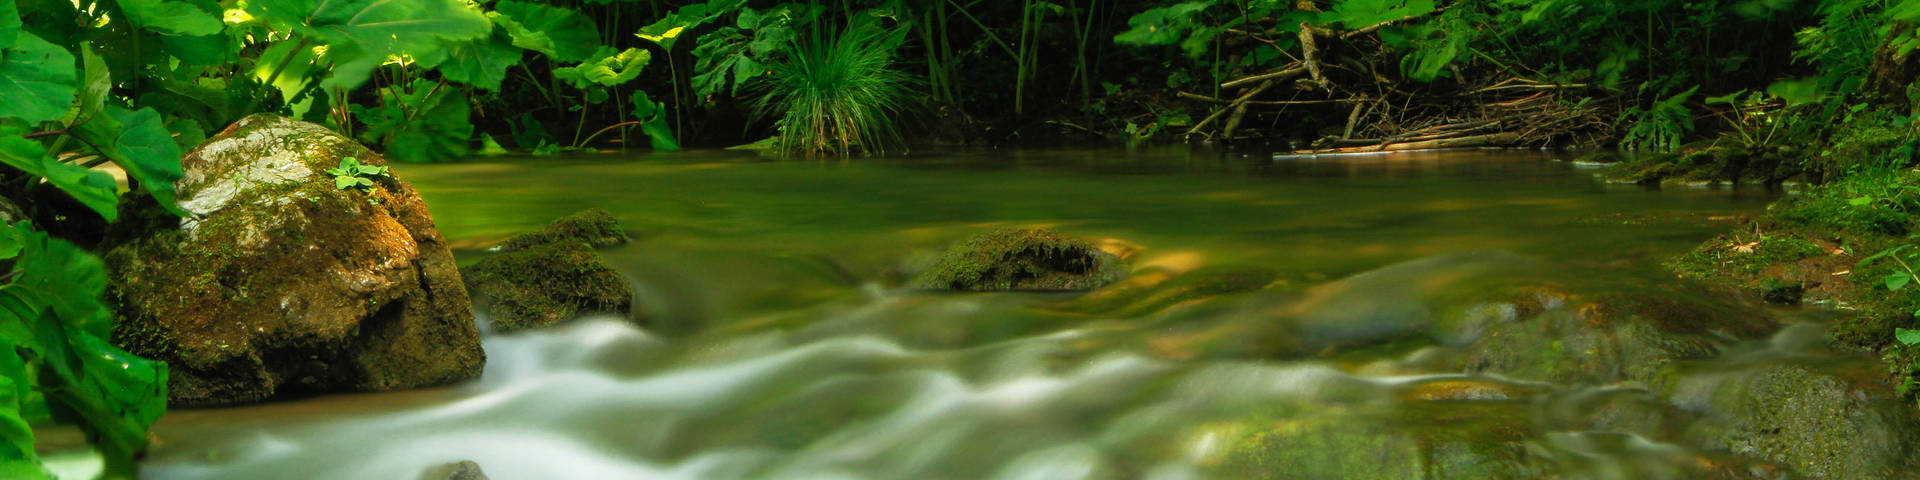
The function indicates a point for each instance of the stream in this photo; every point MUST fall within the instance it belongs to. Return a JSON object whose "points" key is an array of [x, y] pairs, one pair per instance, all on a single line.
{"points": [[1351, 330]]}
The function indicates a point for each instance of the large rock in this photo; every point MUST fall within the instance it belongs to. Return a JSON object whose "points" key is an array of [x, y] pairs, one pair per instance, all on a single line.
{"points": [[1017, 259], [281, 282]]}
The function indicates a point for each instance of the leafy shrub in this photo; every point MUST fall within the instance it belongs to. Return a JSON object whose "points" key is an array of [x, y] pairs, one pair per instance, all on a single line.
{"points": [[836, 93]]}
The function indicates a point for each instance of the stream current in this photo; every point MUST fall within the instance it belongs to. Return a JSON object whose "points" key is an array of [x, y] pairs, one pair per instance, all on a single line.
{"points": [[772, 345]]}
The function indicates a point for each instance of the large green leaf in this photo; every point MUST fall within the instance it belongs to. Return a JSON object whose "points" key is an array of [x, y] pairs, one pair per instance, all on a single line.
{"points": [[433, 125], [561, 33], [37, 80], [55, 315], [96, 82], [362, 34], [653, 120], [173, 17], [96, 190], [607, 68], [9, 22], [668, 31], [482, 63], [148, 154]]}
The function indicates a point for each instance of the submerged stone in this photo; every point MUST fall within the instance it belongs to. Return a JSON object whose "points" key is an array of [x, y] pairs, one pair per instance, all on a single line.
{"points": [[546, 284], [594, 226], [1021, 259], [461, 470], [1831, 420], [282, 282]]}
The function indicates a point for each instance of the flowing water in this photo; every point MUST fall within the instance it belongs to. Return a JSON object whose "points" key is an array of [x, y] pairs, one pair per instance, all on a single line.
{"points": [[774, 346]]}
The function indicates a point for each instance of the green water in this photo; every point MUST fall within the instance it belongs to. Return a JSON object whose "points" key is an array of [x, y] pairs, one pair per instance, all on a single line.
{"points": [[775, 346]]}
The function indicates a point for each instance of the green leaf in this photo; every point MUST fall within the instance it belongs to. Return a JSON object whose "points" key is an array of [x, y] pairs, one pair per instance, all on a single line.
{"points": [[55, 309], [1907, 336], [1163, 26], [96, 190], [362, 34], [94, 89], [138, 141], [563, 34], [9, 22], [654, 118], [37, 80], [148, 154], [1797, 92], [482, 63], [437, 129], [1860, 201], [344, 182], [1897, 280], [173, 17], [607, 68], [669, 30]]}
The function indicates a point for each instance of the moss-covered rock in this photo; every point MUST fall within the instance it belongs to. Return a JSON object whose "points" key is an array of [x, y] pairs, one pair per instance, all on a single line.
{"points": [[282, 282], [593, 226], [1021, 259], [1835, 420], [546, 284]]}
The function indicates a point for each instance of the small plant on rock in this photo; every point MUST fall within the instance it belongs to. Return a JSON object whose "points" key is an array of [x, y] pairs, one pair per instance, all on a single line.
{"points": [[352, 174]]}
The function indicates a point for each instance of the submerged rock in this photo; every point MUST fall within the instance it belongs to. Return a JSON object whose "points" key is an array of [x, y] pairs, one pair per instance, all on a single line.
{"points": [[461, 470], [1824, 421], [545, 284], [1021, 259], [283, 282], [594, 226]]}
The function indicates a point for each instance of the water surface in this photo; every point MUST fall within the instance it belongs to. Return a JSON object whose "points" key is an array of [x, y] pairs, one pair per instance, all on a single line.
{"points": [[775, 346]]}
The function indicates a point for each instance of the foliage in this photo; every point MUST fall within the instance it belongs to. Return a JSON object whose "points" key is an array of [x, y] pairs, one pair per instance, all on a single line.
{"points": [[53, 327], [352, 174], [837, 92], [1659, 127]]}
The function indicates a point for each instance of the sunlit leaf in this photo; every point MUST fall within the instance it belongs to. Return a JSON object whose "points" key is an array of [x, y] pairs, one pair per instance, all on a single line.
{"points": [[654, 122], [1907, 336], [607, 68], [362, 34], [174, 17]]}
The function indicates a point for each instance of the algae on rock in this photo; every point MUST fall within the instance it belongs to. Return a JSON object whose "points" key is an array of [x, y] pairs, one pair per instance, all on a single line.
{"points": [[281, 282], [1021, 259], [546, 284], [594, 226]]}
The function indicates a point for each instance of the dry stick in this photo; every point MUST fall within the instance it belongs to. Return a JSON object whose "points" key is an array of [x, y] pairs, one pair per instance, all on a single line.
{"points": [[1222, 101], [1280, 75], [1307, 50], [1238, 102], [1353, 118], [1489, 140]]}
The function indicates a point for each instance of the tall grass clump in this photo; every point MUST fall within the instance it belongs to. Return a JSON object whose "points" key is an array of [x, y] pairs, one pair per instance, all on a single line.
{"points": [[836, 92]]}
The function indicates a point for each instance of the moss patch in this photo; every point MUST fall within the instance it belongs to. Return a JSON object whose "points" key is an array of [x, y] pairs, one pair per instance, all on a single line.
{"points": [[546, 284], [1021, 259], [594, 226]]}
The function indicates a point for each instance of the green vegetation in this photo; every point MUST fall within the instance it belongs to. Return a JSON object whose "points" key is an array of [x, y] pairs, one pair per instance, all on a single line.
{"points": [[838, 92], [595, 227], [351, 174], [1020, 259]]}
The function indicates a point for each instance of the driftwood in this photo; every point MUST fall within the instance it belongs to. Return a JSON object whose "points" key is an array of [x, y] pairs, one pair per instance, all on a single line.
{"points": [[1348, 74]]}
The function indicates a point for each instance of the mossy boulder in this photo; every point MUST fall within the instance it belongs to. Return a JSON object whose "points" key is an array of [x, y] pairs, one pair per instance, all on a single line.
{"points": [[281, 282], [1834, 419], [1021, 259], [594, 226], [546, 284]]}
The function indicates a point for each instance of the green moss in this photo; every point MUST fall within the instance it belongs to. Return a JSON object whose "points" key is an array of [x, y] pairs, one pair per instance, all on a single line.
{"points": [[546, 284], [1598, 157], [594, 226], [1020, 259]]}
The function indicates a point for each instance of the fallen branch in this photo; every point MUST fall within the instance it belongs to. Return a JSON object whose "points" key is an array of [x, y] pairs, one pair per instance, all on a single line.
{"points": [[1502, 139]]}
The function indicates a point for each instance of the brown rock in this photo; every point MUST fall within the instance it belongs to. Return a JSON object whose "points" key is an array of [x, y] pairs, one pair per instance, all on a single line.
{"points": [[282, 282]]}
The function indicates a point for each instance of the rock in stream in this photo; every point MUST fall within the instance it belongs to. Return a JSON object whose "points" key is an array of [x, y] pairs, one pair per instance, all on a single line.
{"points": [[283, 282]]}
